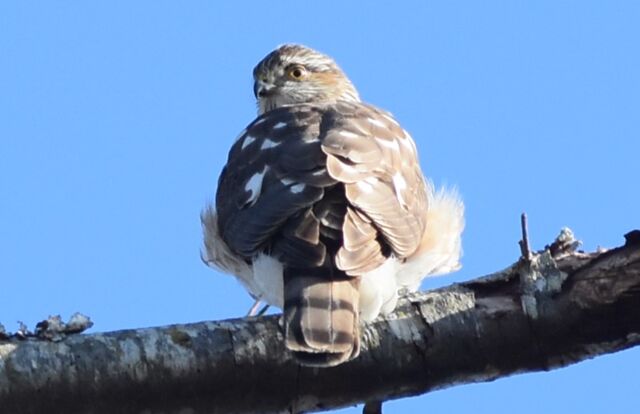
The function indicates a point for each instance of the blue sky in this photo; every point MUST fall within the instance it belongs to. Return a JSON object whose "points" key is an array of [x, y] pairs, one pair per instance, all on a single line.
{"points": [[116, 118]]}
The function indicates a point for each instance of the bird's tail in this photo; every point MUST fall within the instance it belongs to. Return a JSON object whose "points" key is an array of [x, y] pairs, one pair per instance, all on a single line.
{"points": [[321, 318]]}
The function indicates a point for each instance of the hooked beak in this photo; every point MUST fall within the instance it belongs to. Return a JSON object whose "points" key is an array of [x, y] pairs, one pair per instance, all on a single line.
{"points": [[263, 90]]}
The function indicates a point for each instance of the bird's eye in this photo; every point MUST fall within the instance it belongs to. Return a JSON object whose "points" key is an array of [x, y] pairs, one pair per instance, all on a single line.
{"points": [[296, 72]]}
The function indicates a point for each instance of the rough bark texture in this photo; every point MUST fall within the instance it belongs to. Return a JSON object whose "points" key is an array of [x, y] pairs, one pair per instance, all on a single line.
{"points": [[551, 311]]}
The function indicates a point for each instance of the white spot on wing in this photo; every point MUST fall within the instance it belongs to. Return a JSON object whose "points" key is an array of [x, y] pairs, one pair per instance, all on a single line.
{"points": [[399, 182], [294, 188], [280, 125], [399, 185], [389, 143], [377, 122], [267, 143], [247, 141], [298, 188], [348, 134], [365, 187], [254, 185]]}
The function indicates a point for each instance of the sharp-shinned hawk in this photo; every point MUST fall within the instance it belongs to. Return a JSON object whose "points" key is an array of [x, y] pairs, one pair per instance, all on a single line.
{"points": [[322, 208]]}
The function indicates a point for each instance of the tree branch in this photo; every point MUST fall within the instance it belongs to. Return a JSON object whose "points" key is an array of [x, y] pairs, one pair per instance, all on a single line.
{"points": [[558, 308]]}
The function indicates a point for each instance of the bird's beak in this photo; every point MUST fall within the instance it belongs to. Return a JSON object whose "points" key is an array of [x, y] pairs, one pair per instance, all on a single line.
{"points": [[262, 89]]}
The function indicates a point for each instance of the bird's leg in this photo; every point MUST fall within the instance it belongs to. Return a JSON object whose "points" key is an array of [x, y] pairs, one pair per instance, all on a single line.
{"points": [[263, 310], [254, 308], [253, 311]]}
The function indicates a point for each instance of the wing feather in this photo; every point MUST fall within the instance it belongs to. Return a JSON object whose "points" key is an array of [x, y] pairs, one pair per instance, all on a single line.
{"points": [[377, 162], [345, 176]]}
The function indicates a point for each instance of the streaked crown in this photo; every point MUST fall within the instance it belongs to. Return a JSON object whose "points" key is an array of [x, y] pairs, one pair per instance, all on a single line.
{"points": [[295, 74]]}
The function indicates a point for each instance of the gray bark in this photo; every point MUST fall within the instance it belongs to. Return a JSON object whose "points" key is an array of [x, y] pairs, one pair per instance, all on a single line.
{"points": [[558, 308]]}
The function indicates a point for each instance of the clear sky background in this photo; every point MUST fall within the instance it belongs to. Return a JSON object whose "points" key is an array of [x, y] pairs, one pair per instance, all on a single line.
{"points": [[116, 118]]}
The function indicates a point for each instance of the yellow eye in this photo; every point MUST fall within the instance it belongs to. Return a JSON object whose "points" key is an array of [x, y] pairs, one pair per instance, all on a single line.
{"points": [[296, 72]]}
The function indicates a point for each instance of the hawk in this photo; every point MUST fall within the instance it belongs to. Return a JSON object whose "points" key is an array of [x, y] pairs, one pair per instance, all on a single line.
{"points": [[322, 208]]}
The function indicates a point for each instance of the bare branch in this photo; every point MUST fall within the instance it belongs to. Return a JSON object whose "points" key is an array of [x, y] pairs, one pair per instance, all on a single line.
{"points": [[579, 305]]}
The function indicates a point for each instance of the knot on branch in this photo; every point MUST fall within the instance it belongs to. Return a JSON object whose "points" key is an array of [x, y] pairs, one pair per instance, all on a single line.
{"points": [[539, 273], [539, 277], [51, 329]]}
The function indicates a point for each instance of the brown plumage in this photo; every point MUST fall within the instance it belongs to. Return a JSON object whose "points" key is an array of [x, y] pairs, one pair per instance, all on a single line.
{"points": [[322, 207]]}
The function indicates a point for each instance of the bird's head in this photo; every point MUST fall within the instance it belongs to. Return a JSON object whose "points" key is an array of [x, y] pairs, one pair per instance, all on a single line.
{"points": [[294, 74]]}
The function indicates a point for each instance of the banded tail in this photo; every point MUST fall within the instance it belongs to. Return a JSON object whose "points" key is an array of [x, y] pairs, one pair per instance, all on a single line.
{"points": [[321, 320]]}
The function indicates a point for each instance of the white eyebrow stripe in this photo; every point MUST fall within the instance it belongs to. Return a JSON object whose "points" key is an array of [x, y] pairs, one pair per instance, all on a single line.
{"points": [[280, 125], [247, 141], [267, 143]]}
